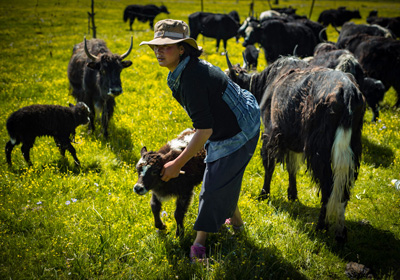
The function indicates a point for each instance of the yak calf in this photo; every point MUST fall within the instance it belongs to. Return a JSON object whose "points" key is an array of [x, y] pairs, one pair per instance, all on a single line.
{"points": [[27, 123], [149, 168]]}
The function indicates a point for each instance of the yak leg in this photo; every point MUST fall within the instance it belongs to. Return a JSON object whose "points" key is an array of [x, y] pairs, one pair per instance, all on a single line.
{"points": [[326, 191], [269, 167], [131, 21], [225, 44], [292, 166], [217, 46], [9, 147], [182, 205], [108, 111], [156, 209], [151, 23]]}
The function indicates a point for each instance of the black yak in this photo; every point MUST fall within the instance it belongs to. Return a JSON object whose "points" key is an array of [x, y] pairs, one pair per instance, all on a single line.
{"points": [[143, 13], [337, 17], [60, 122], [219, 26], [315, 114], [149, 169], [278, 37], [94, 75]]}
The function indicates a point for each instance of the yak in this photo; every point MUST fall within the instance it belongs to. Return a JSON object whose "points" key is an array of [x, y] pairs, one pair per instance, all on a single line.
{"points": [[94, 78], [149, 168], [337, 17], [313, 114], [143, 13], [380, 58], [392, 23], [280, 37], [343, 60], [218, 26]]}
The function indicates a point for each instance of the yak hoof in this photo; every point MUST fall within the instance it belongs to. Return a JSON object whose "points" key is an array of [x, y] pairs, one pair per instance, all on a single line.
{"points": [[263, 195], [341, 237]]}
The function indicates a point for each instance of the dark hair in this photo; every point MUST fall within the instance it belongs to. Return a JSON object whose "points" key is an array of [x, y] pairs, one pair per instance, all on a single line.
{"points": [[189, 50]]}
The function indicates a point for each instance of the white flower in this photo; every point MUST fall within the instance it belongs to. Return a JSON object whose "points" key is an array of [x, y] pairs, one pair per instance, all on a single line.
{"points": [[67, 202]]}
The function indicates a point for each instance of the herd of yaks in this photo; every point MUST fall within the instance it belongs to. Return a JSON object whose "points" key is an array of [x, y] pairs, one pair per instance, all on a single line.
{"points": [[310, 111]]}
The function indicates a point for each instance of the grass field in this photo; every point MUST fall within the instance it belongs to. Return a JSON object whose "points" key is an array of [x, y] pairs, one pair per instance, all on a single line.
{"points": [[58, 221]]}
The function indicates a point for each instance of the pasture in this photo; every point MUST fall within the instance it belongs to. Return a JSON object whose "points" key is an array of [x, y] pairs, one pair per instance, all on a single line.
{"points": [[58, 221]]}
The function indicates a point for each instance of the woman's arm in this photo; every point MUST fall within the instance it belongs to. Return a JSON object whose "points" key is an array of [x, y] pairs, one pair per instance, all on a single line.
{"points": [[172, 168]]}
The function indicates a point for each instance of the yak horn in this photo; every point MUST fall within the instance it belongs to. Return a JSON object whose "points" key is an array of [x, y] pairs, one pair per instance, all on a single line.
{"points": [[92, 57], [228, 62], [129, 50], [320, 35]]}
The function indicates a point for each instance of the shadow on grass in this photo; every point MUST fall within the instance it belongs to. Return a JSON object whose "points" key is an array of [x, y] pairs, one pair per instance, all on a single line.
{"points": [[228, 257], [120, 142], [377, 249], [376, 155]]}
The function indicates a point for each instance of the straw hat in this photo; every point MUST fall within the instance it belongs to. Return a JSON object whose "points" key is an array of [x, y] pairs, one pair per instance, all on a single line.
{"points": [[170, 31]]}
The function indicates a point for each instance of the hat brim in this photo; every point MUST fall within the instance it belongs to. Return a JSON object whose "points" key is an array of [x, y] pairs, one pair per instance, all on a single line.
{"points": [[168, 41]]}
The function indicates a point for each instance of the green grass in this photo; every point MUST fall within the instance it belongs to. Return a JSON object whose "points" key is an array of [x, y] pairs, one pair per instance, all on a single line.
{"points": [[61, 222]]}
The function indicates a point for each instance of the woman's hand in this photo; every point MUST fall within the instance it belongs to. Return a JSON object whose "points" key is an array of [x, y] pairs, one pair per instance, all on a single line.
{"points": [[170, 170]]}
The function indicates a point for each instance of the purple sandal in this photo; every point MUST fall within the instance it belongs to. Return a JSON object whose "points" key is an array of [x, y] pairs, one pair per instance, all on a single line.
{"points": [[197, 253]]}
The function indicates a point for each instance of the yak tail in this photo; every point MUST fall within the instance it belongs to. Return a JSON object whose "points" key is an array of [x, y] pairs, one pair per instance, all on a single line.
{"points": [[343, 169]]}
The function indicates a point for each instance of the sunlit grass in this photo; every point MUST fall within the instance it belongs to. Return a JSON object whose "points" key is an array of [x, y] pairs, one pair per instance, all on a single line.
{"points": [[58, 221]]}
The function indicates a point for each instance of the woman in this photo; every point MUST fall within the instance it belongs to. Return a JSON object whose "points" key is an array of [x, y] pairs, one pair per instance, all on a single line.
{"points": [[227, 123]]}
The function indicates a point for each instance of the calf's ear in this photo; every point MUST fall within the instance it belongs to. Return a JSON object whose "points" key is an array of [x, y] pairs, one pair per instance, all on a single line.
{"points": [[126, 63], [143, 151]]}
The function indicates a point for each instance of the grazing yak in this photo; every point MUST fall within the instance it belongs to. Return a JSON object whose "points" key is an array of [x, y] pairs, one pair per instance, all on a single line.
{"points": [[337, 17], [343, 60], [149, 169], [60, 122], [379, 57], [143, 13], [315, 114], [94, 75], [350, 29], [391, 23], [218, 26], [280, 37]]}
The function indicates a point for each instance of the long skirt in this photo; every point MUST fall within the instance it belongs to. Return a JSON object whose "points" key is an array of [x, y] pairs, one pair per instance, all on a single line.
{"points": [[221, 186]]}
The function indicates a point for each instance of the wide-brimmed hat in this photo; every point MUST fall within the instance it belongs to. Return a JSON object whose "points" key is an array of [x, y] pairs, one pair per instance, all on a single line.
{"points": [[170, 31]]}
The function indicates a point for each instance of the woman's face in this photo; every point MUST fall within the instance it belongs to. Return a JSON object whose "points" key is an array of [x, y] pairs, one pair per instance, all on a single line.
{"points": [[168, 55]]}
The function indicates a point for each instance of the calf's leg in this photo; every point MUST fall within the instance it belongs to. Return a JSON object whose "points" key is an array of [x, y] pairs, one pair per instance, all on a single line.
{"points": [[9, 147], [156, 209], [26, 146], [182, 205]]}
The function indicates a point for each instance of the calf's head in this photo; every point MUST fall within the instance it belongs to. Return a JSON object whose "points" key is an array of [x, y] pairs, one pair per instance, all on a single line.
{"points": [[109, 67], [81, 113], [149, 169]]}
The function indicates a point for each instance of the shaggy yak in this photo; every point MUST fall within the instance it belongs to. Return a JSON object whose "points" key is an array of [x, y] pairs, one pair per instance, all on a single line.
{"points": [[315, 114], [27, 123], [94, 75], [149, 169]]}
